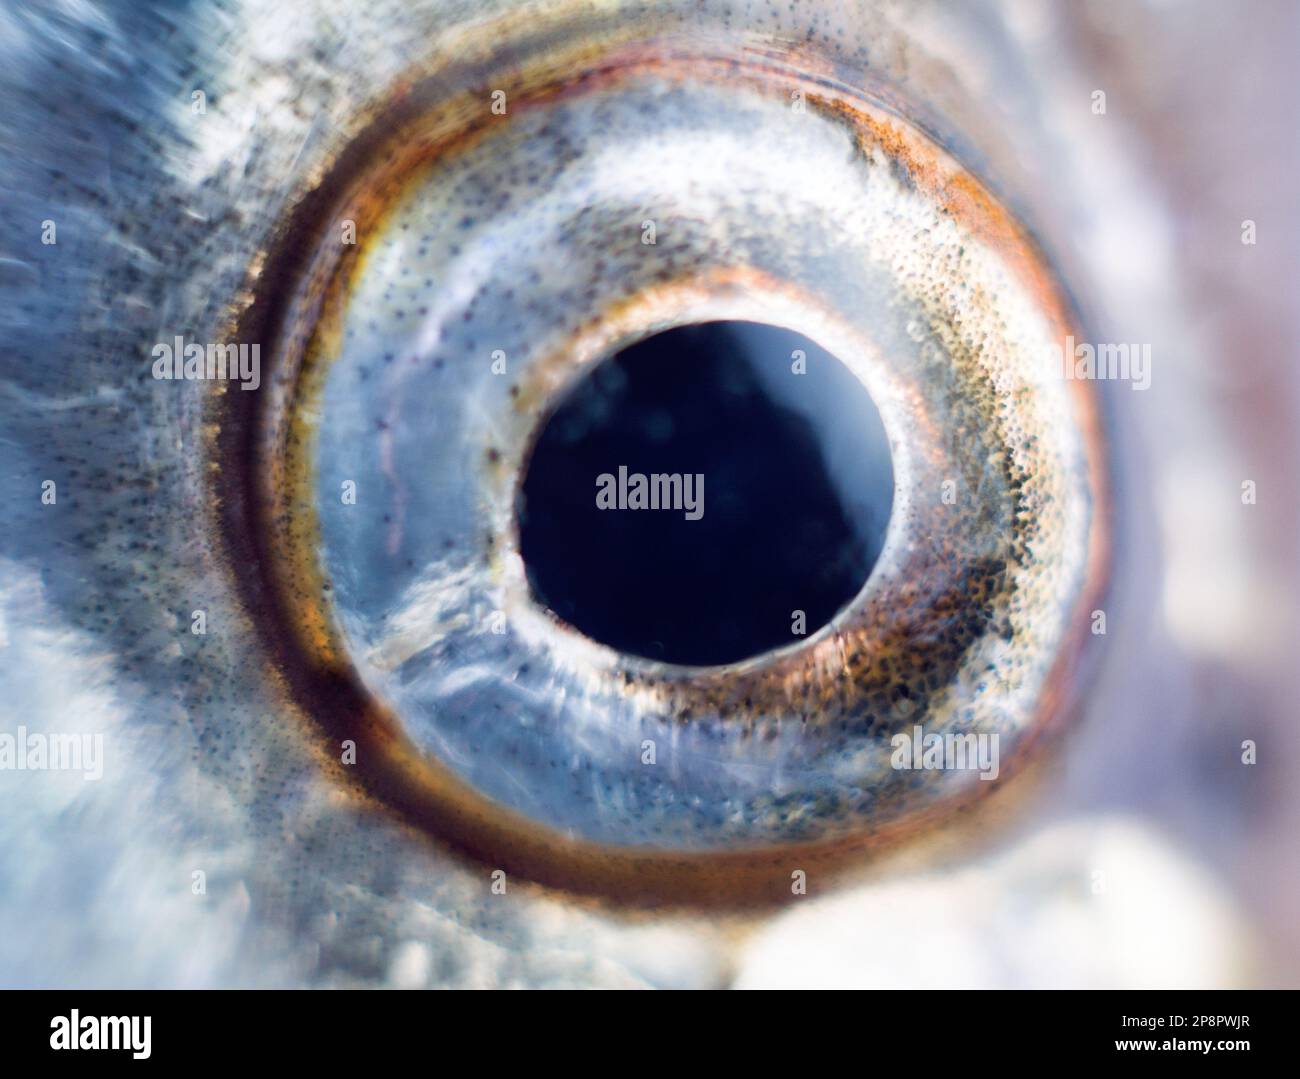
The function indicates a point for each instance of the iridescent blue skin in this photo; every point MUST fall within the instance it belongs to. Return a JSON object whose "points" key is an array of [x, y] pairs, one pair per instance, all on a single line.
{"points": [[164, 216]]}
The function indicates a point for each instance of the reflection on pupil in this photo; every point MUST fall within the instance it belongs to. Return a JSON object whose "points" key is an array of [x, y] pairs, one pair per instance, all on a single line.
{"points": [[699, 489]]}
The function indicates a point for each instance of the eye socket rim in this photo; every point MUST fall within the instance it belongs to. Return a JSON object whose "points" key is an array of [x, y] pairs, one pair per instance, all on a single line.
{"points": [[328, 687]]}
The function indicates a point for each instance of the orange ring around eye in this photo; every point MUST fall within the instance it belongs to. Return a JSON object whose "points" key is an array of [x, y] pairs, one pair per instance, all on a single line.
{"points": [[297, 294]]}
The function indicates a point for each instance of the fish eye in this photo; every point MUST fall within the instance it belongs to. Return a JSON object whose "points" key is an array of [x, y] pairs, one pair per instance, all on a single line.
{"points": [[339, 650], [659, 442]]}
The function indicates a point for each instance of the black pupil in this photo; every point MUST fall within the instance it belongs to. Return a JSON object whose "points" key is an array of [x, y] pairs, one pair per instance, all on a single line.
{"points": [[773, 489]]}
